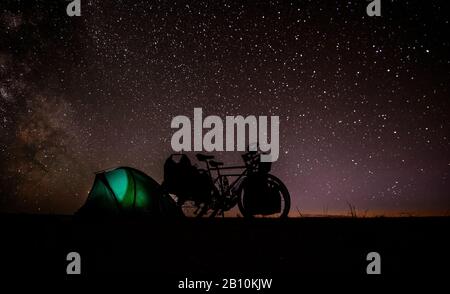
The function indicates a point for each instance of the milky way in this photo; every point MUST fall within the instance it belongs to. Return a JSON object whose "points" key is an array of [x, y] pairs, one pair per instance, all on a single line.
{"points": [[363, 101]]}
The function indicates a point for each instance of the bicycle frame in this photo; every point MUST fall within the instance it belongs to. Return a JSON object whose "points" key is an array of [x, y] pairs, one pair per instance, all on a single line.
{"points": [[219, 179]]}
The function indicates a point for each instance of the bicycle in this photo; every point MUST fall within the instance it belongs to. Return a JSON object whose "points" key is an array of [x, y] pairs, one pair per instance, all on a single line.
{"points": [[248, 190]]}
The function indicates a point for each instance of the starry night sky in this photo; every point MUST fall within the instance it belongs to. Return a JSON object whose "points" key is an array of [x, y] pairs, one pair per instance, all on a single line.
{"points": [[363, 102]]}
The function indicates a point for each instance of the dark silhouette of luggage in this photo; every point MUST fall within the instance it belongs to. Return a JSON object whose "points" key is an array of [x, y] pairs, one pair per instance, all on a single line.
{"points": [[177, 174], [252, 160], [260, 196], [185, 180]]}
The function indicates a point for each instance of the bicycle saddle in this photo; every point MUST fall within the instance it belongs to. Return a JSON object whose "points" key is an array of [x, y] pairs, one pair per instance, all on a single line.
{"points": [[203, 157], [214, 163]]}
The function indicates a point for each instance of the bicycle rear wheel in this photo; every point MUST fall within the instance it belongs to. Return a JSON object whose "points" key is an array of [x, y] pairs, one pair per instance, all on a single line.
{"points": [[207, 208]]}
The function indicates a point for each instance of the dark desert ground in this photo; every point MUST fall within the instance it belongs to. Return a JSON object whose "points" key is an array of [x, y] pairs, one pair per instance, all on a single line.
{"points": [[291, 251]]}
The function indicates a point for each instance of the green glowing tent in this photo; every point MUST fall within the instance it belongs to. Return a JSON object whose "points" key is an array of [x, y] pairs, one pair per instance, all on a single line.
{"points": [[127, 191]]}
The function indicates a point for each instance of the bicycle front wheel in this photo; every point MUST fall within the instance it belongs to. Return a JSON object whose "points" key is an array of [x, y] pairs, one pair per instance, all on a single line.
{"points": [[264, 196]]}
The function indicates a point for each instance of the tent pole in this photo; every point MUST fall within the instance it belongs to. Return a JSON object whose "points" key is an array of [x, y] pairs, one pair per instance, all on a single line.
{"points": [[105, 182], [134, 186]]}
